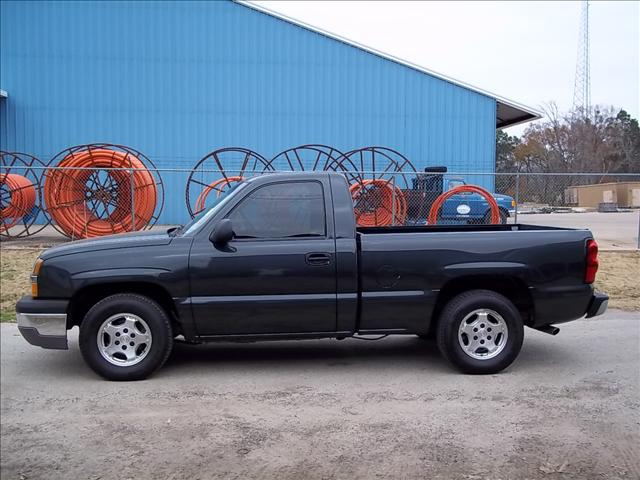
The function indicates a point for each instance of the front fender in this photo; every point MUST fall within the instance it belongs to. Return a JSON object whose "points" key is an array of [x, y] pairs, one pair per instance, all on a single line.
{"points": [[160, 284], [167, 265]]}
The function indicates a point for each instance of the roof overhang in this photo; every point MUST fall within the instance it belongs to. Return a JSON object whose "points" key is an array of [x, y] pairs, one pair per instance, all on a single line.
{"points": [[508, 112]]}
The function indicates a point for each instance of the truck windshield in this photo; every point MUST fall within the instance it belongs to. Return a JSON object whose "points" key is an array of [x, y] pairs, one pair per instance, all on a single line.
{"points": [[202, 217], [455, 183]]}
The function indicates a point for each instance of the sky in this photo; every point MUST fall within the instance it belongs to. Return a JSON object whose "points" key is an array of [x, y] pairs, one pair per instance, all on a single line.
{"points": [[524, 51]]}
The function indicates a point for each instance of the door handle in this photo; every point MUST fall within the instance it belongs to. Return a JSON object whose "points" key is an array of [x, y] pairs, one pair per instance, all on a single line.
{"points": [[317, 259]]}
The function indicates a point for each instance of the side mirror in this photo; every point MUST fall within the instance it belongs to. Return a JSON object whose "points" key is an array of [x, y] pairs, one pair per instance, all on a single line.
{"points": [[222, 233]]}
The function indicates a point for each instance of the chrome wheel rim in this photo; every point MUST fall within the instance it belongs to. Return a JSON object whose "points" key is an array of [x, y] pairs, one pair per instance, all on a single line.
{"points": [[124, 339], [483, 334]]}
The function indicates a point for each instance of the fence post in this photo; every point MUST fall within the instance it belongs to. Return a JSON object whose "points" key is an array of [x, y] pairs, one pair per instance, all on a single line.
{"points": [[133, 215], [515, 214], [393, 201], [638, 246]]}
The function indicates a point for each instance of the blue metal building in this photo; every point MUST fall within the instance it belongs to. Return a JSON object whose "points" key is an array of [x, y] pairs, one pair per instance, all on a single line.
{"points": [[176, 80]]}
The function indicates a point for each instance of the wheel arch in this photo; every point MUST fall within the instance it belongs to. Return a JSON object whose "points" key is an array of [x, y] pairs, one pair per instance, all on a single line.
{"points": [[88, 296], [510, 286]]}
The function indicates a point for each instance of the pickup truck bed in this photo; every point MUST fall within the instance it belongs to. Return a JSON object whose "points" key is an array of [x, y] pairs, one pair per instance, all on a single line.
{"points": [[449, 259], [281, 257]]}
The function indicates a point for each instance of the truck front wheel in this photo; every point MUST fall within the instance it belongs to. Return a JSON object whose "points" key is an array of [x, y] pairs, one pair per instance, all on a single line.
{"points": [[126, 337], [480, 332]]}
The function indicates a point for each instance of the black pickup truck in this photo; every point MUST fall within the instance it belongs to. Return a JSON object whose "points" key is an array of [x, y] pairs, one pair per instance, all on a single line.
{"points": [[280, 257]]}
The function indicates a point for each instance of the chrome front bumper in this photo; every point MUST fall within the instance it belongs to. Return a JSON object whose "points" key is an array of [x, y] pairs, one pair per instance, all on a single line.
{"points": [[41, 328]]}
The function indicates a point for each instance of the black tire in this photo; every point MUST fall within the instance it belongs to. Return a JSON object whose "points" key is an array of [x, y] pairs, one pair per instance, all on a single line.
{"points": [[454, 313], [486, 220], [155, 317]]}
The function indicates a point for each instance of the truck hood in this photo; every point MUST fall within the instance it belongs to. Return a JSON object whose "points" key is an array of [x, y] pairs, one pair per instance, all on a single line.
{"points": [[123, 240]]}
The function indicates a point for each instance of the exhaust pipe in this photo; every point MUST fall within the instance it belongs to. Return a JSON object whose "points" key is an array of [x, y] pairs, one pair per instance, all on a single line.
{"points": [[550, 329]]}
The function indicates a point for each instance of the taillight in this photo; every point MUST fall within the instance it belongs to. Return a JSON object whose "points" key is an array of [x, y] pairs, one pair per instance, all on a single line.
{"points": [[592, 262]]}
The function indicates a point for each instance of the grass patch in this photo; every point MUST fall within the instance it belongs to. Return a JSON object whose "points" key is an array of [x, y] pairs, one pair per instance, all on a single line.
{"points": [[617, 277], [7, 317], [15, 268]]}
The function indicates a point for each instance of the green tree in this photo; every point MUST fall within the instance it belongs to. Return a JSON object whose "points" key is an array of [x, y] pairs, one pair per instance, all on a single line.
{"points": [[624, 136], [505, 147]]}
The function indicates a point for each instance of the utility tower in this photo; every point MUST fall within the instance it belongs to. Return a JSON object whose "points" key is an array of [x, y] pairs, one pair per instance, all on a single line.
{"points": [[582, 86]]}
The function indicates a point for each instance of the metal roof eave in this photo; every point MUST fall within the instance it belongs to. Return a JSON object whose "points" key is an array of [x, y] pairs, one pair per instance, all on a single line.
{"points": [[525, 113], [509, 116]]}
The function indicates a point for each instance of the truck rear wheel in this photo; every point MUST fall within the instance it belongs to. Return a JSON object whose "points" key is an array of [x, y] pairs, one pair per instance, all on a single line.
{"points": [[480, 332], [126, 337]]}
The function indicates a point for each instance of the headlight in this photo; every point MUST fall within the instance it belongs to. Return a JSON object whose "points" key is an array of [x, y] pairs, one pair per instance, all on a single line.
{"points": [[34, 277]]}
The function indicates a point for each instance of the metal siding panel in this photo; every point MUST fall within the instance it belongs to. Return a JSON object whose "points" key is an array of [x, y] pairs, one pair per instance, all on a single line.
{"points": [[176, 80]]}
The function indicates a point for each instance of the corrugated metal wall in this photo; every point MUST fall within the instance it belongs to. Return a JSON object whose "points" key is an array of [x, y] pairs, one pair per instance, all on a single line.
{"points": [[176, 80]]}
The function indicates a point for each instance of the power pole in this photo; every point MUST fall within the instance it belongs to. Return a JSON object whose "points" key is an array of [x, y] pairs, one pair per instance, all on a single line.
{"points": [[582, 86]]}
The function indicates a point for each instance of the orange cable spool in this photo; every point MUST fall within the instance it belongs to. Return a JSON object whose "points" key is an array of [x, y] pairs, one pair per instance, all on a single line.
{"points": [[218, 186], [432, 219], [67, 194], [378, 203], [21, 196]]}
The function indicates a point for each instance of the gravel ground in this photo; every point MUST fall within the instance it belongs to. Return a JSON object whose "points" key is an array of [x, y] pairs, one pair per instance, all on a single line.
{"points": [[567, 409]]}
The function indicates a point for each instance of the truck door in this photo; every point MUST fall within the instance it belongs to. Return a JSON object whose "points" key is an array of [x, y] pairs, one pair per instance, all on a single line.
{"points": [[278, 274]]}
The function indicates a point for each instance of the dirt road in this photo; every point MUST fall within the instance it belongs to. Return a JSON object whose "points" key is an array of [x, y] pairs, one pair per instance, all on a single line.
{"points": [[567, 409]]}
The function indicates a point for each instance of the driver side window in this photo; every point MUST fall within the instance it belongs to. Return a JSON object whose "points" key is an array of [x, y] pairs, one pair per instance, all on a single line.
{"points": [[281, 210]]}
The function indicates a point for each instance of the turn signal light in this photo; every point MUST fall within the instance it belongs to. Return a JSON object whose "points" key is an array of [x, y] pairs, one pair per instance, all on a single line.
{"points": [[591, 262], [37, 266], [34, 277]]}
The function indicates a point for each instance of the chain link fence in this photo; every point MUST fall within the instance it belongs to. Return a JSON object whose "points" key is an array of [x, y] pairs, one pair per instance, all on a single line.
{"points": [[74, 203]]}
